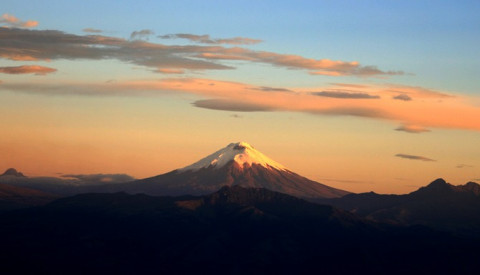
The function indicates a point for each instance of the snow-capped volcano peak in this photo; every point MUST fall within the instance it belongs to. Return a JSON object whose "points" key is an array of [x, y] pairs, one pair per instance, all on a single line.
{"points": [[241, 152], [236, 164]]}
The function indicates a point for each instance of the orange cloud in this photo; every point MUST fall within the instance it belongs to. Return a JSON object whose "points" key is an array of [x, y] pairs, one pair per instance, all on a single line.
{"points": [[170, 71], [224, 56], [415, 129], [314, 66], [435, 109], [327, 73], [403, 97], [31, 69], [345, 94], [8, 20], [21, 44], [414, 91], [348, 85], [18, 57], [230, 105], [427, 109]]}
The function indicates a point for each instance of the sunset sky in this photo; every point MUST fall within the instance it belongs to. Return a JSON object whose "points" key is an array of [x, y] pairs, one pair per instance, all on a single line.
{"points": [[377, 96]]}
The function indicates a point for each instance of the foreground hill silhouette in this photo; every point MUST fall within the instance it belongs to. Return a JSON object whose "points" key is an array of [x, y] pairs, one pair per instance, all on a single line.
{"points": [[234, 230], [12, 197], [439, 205]]}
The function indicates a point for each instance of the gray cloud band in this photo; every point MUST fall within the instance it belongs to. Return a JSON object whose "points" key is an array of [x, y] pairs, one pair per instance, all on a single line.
{"points": [[23, 44]]}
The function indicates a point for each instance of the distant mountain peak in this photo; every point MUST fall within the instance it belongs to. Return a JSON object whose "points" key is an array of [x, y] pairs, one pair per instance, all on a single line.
{"points": [[436, 187], [473, 187], [440, 186], [472, 184], [240, 152], [13, 172], [438, 183]]}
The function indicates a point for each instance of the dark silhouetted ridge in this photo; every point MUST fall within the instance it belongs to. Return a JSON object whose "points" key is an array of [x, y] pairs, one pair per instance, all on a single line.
{"points": [[438, 182], [14, 197], [13, 172], [241, 195], [473, 187], [439, 205], [235, 230]]}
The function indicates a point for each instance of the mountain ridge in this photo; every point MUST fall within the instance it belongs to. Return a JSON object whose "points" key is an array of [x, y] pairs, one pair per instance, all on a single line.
{"points": [[14, 197], [439, 205]]}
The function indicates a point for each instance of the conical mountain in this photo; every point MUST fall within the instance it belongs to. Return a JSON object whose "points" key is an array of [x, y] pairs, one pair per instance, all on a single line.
{"points": [[237, 164]]}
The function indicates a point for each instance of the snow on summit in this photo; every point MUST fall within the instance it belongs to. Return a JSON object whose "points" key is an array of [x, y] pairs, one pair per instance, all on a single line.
{"points": [[240, 152]]}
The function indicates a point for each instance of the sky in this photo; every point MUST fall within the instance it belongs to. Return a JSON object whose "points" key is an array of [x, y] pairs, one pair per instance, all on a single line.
{"points": [[360, 95]]}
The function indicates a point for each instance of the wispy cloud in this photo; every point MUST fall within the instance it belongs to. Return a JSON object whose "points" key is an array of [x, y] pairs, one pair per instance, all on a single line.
{"points": [[272, 89], [363, 71], [403, 97], [464, 166], [348, 85], [314, 66], [342, 94], [230, 105], [22, 44], [418, 92], [206, 39], [413, 157], [431, 111], [353, 111], [141, 35], [8, 20], [170, 71], [30, 69], [92, 30], [414, 129], [429, 108]]}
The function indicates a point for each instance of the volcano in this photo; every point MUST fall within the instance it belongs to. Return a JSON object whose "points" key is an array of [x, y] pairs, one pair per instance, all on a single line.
{"points": [[237, 164]]}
